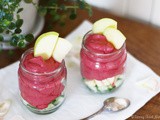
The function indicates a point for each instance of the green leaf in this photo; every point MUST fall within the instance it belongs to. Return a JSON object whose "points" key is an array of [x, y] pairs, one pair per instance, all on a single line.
{"points": [[12, 26], [81, 4], [17, 1], [28, 1], [42, 11], [56, 17], [14, 40], [19, 23], [9, 17], [1, 38], [21, 44], [6, 22], [73, 16], [18, 30], [1, 30], [20, 10], [29, 37]]}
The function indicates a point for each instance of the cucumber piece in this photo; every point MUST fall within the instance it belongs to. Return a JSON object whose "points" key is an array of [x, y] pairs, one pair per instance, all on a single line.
{"points": [[91, 84], [57, 100], [101, 86], [118, 82]]}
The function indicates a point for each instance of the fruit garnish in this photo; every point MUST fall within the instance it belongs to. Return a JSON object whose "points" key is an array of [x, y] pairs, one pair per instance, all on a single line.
{"points": [[100, 25], [50, 45], [45, 45], [61, 49], [115, 37]]}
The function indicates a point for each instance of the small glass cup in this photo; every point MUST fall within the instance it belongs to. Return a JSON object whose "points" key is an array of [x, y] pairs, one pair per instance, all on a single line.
{"points": [[102, 73], [42, 93]]}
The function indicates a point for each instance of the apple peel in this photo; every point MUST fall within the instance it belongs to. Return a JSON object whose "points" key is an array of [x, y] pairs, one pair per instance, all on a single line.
{"points": [[45, 45], [100, 25]]}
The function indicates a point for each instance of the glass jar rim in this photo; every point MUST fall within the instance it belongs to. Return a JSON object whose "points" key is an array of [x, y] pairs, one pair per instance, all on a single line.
{"points": [[101, 54], [35, 73]]}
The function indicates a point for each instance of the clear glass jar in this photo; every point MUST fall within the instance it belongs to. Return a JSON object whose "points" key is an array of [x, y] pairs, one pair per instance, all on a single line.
{"points": [[42, 93], [102, 73]]}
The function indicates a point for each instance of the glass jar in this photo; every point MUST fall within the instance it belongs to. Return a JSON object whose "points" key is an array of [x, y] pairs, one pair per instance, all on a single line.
{"points": [[42, 93], [102, 73]]}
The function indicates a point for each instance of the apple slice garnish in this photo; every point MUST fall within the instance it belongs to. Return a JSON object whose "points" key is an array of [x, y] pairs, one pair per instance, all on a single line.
{"points": [[45, 45], [100, 25], [61, 49], [115, 37]]}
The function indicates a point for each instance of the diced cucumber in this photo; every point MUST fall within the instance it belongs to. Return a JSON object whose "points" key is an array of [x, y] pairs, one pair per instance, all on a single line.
{"points": [[106, 82], [105, 85], [118, 82], [55, 102], [50, 106], [111, 80], [110, 88], [101, 87], [91, 84], [58, 100]]}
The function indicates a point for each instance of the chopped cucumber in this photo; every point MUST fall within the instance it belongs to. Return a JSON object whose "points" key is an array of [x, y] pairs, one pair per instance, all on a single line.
{"points": [[101, 87], [57, 100], [91, 84], [111, 80], [105, 85], [118, 83], [106, 82], [50, 106]]}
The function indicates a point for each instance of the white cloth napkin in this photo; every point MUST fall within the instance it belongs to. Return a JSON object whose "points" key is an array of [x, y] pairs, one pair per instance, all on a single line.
{"points": [[140, 85]]}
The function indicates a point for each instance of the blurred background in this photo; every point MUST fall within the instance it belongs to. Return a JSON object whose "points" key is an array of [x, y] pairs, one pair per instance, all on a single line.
{"points": [[142, 10]]}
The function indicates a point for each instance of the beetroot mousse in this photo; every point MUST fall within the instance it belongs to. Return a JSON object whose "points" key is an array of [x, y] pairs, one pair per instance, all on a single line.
{"points": [[39, 82], [99, 59]]}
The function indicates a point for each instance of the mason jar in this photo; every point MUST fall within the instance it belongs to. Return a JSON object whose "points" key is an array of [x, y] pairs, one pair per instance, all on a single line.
{"points": [[44, 92], [102, 73]]}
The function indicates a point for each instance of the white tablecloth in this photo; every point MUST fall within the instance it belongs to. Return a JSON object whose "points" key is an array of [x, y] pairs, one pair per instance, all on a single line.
{"points": [[140, 86]]}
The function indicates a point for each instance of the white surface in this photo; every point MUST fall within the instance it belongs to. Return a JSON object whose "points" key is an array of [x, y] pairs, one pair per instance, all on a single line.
{"points": [[80, 102], [37, 28], [146, 10], [29, 15], [155, 17], [140, 9], [115, 6]]}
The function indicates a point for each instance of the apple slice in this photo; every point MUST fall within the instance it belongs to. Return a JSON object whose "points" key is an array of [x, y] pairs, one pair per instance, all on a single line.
{"points": [[100, 25], [61, 50], [45, 45], [115, 37]]}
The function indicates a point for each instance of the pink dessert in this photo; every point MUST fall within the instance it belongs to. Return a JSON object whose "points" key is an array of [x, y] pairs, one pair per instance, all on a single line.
{"points": [[39, 83], [101, 62], [112, 65]]}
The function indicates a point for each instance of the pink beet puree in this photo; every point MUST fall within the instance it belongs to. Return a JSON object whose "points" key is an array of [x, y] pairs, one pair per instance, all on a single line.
{"points": [[99, 58], [40, 90]]}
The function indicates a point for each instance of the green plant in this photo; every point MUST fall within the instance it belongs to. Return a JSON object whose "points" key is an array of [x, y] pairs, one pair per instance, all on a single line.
{"points": [[58, 11]]}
